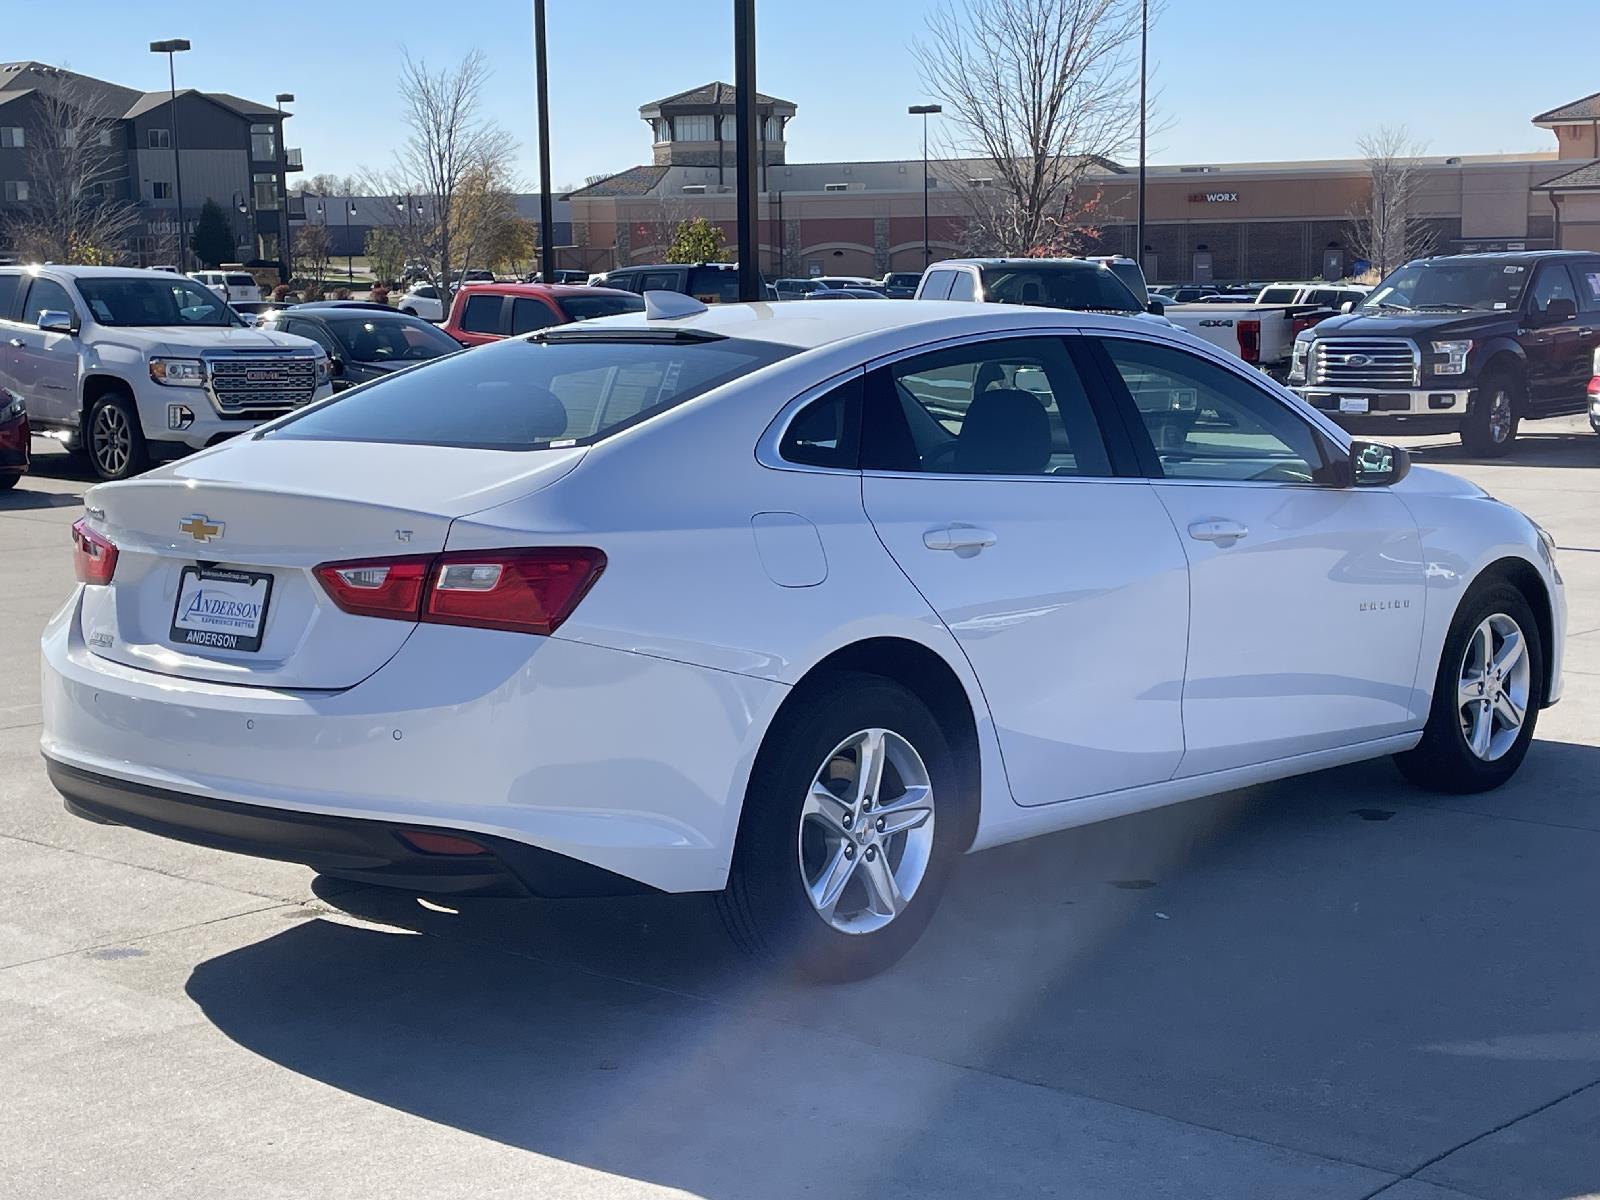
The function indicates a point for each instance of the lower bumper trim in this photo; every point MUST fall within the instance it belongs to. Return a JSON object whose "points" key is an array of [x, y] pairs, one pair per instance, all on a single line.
{"points": [[367, 851]]}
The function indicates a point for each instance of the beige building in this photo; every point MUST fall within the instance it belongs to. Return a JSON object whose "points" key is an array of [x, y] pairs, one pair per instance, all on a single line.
{"points": [[1204, 221]]}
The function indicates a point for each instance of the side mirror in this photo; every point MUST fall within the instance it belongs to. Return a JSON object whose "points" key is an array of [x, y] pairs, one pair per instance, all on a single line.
{"points": [[335, 366], [1377, 464], [1155, 308], [1347, 306], [54, 320], [1557, 312]]}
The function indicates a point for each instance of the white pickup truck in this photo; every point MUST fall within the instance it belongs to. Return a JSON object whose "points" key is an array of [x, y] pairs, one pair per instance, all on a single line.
{"points": [[128, 366], [1263, 333]]}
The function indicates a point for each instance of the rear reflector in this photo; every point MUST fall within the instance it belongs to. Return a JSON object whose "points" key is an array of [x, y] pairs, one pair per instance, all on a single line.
{"points": [[1250, 341], [520, 590], [94, 558], [439, 843]]}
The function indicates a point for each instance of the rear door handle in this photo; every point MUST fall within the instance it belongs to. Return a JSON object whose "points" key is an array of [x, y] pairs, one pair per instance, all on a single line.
{"points": [[958, 537], [1224, 533], [18, 343]]}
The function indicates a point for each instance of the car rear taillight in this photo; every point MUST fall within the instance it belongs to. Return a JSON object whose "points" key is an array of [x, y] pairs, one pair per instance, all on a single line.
{"points": [[1250, 341], [94, 558], [520, 590]]}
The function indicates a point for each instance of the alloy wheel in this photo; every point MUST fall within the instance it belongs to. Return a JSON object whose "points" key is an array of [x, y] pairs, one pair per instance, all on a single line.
{"points": [[111, 439], [866, 831], [1493, 689], [1500, 416]]}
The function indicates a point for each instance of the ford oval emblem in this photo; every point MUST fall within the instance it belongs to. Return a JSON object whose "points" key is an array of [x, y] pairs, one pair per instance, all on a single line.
{"points": [[1358, 360]]}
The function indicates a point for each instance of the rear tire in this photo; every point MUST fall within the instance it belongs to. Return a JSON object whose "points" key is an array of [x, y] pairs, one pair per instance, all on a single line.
{"points": [[832, 882], [1458, 753], [1493, 415], [115, 441]]}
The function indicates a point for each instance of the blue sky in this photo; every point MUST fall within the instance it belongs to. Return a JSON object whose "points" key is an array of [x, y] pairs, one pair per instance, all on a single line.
{"points": [[1239, 79]]}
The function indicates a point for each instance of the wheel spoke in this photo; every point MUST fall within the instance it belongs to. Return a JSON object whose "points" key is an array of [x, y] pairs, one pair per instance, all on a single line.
{"points": [[823, 806], [870, 756], [1482, 728], [1511, 715], [883, 892], [1511, 652], [1468, 692], [1483, 646], [908, 811], [830, 884]]}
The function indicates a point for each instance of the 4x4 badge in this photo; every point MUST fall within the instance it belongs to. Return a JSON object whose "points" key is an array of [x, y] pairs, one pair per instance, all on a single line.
{"points": [[200, 527]]}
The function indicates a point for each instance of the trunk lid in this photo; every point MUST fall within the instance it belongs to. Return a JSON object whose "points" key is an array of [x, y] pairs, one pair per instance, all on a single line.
{"points": [[218, 522]]}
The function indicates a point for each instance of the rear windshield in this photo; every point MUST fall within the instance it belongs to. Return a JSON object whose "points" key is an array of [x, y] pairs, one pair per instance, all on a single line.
{"points": [[527, 394], [583, 308], [1277, 295], [1059, 286], [714, 286], [241, 280]]}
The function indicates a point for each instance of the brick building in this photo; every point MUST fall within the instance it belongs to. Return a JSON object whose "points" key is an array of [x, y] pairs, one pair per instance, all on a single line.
{"points": [[1222, 221]]}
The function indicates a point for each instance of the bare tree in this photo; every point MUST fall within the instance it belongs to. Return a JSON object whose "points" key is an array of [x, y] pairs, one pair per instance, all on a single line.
{"points": [[1035, 92], [450, 145], [325, 183], [1386, 231], [73, 214], [312, 250]]}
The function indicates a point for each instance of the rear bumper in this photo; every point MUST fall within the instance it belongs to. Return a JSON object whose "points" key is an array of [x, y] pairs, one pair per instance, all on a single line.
{"points": [[626, 762], [367, 851]]}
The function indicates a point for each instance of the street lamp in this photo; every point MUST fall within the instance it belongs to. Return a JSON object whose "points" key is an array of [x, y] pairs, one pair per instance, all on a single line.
{"points": [[1144, 45], [242, 207], [925, 111], [349, 253], [286, 263], [169, 47]]}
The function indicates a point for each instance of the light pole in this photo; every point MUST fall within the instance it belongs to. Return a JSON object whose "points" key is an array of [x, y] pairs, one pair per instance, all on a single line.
{"points": [[925, 111], [1144, 41], [242, 207], [169, 47], [286, 265], [747, 200], [413, 208], [349, 253], [547, 220]]}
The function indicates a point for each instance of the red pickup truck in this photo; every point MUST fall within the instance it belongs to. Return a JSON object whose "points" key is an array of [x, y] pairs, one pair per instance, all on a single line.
{"points": [[487, 312]]}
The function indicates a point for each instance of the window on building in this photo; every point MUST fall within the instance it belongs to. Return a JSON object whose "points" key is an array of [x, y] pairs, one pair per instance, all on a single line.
{"points": [[774, 129], [263, 143], [16, 189], [160, 189], [730, 129], [158, 139], [662, 128], [11, 137], [266, 192], [693, 129]]}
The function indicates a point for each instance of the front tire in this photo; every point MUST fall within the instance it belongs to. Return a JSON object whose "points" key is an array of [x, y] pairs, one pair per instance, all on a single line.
{"points": [[850, 828], [115, 440], [7, 482], [1493, 416], [1486, 696]]}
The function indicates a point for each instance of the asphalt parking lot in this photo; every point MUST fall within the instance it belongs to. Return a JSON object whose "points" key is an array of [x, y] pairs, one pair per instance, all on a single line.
{"points": [[1330, 987]]}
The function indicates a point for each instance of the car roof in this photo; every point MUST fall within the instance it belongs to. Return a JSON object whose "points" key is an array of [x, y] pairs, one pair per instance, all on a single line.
{"points": [[1508, 255], [545, 289], [97, 272], [329, 307], [808, 326]]}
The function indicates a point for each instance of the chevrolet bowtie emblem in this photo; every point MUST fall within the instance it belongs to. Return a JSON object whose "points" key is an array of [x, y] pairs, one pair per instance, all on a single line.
{"points": [[199, 528]]}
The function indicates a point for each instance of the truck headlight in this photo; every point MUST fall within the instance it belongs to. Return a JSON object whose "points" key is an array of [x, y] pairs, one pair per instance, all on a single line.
{"points": [[1297, 360], [324, 371], [178, 372], [1455, 357]]}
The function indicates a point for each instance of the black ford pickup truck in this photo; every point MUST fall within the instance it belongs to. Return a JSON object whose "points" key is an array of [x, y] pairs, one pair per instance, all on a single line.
{"points": [[1468, 342]]}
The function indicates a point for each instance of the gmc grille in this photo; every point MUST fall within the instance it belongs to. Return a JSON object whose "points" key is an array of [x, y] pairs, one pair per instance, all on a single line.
{"points": [[1364, 363], [262, 384]]}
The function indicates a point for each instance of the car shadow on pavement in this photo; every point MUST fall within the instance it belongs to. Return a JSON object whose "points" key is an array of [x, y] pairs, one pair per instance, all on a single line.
{"points": [[21, 498], [1332, 964], [1529, 450]]}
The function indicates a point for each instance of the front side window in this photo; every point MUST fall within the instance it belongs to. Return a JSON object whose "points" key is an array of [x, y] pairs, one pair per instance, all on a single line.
{"points": [[138, 300], [1011, 407], [380, 339], [46, 295], [532, 394], [1552, 283], [481, 313], [938, 285], [963, 287], [1206, 422], [584, 308]]}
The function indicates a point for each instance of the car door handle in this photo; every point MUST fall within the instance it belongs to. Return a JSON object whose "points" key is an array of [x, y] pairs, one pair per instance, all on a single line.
{"points": [[958, 537], [1223, 533], [18, 343]]}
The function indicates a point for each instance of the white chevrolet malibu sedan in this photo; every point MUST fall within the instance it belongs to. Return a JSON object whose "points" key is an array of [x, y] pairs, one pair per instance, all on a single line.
{"points": [[793, 603]]}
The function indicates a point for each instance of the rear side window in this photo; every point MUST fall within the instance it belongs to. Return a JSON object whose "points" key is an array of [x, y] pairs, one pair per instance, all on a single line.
{"points": [[826, 432], [533, 394], [1586, 273], [658, 281], [8, 296], [528, 314], [481, 314], [938, 285]]}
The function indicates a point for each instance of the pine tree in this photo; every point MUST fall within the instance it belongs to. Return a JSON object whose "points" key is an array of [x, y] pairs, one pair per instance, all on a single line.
{"points": [[212, 242]]}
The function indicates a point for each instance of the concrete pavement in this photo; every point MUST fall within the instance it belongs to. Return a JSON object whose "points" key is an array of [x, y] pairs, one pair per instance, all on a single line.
{"points": [[1330, 987]]}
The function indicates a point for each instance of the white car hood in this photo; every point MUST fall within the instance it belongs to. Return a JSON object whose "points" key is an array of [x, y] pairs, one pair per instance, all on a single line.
{"points": [[185, 339], [1428, 481]]}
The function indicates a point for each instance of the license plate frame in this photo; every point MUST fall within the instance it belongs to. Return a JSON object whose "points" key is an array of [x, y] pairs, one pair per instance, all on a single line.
{"points": [[1356, 406], [212, 631]]}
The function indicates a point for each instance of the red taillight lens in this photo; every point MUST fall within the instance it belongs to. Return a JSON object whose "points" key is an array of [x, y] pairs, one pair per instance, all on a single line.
{"points": [[94, 558], [378, 587], [524, 591], [439, 843], [1250, 341]]}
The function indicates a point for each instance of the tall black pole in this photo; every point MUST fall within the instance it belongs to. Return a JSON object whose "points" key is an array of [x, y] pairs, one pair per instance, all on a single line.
{"points": [[547, 219], [349, 250], [1144, 37], [177, 165], [744, 120], [925, 111]]}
